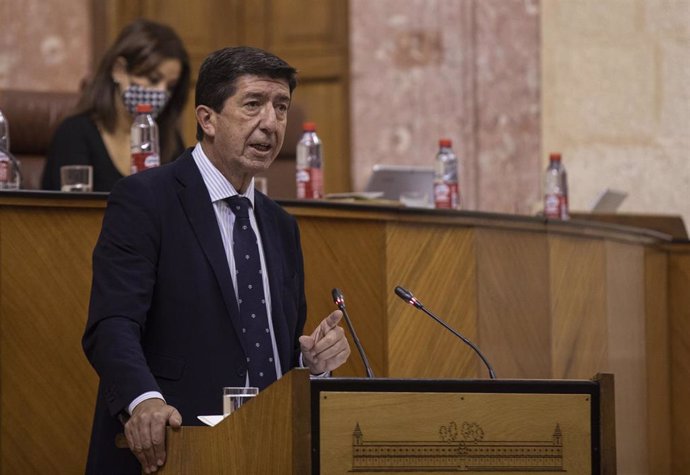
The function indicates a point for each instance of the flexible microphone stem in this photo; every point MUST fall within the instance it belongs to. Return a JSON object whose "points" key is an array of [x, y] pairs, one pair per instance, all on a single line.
{"points": [[339, 300], [409, 298]]}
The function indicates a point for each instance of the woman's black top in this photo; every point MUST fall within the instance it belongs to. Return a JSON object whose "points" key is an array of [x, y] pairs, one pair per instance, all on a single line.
{"points": [[77, 141]]}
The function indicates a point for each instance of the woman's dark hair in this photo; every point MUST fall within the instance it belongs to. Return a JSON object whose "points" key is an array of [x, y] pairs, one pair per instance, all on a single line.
{"points": [[144, 45], [220, 70]]}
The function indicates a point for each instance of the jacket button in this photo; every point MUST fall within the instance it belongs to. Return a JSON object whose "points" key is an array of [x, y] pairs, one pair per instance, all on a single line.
{"points": [[241, 372]]}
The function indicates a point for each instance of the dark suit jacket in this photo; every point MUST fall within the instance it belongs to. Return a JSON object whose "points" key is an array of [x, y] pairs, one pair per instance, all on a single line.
{"points": [[163, 314]]}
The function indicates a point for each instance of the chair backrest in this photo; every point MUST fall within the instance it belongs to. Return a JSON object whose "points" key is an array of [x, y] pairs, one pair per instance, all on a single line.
{"points": [[33, 117]]}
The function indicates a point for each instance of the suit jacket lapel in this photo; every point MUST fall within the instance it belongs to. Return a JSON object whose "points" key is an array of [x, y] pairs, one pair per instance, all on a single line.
{"points": [[197, 205]]}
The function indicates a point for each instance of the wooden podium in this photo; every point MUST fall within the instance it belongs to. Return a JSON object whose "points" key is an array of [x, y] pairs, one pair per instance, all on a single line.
{"points": [[335, 426]]}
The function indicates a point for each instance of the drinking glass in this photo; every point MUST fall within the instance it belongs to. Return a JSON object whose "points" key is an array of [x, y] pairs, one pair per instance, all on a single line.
{"points": [[234, 397], [76, 178]]}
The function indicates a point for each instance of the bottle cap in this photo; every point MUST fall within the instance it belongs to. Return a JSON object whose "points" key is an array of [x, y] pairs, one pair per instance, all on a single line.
{"points": [[143, 108], [555, 157], [309, 127], [446, 143]]}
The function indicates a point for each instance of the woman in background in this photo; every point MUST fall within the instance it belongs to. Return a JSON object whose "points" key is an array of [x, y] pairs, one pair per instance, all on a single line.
{"points": [[149, 64]]}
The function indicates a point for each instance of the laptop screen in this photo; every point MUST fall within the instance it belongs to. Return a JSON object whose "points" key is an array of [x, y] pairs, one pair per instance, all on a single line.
{"points": [[608, 201], [402, 180]]}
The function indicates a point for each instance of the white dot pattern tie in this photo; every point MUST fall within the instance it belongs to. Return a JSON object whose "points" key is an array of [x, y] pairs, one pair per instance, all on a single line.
{"points": [[250, 290]]}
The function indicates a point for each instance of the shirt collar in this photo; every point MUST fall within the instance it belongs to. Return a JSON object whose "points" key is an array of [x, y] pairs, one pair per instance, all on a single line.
{"points": [[219, 188]]}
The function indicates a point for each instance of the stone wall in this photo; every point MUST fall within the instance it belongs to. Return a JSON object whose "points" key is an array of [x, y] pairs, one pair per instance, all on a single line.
{"points": [[616, 100], [467, 70], [45, 45]]}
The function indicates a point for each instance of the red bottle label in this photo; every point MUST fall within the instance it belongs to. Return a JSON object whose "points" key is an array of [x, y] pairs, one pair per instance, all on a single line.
{"points": [[4, 171], [446, 195], [309, 183], [143, 161], [555, 206]]}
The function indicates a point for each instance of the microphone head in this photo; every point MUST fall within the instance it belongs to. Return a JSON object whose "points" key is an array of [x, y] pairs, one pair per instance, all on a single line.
{"points": [[338, 298], [407, 296], [404, 294]]}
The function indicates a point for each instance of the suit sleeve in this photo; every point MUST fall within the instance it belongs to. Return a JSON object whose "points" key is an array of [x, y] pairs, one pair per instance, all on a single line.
{"points": [[124, 272], [301, 299]]}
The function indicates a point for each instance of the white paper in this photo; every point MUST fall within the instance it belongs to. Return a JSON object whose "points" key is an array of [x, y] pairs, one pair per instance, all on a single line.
{"points": [[211, 420], [357, 195]]}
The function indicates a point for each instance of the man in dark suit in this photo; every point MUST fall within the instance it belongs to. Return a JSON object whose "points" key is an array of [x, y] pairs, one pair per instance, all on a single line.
{"points": [[168, 327]]}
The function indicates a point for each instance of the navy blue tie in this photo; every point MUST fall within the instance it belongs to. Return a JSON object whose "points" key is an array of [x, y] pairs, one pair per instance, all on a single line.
{"points": [[250, 297]]}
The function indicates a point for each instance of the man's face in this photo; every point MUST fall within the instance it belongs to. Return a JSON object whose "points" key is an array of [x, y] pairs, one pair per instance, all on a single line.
{"points": [[246, 135]]}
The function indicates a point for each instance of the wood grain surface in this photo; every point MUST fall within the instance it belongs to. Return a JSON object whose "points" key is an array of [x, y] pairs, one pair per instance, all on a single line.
{"points": [[437, 264], [48, 389], [627, 352], [268, 434], [658, 361], [577, 275], [679, 311], [513, 299], [350, 255]]}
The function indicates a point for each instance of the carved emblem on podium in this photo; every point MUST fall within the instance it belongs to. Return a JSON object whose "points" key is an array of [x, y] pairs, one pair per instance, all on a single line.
{"points": [[463, 448]]}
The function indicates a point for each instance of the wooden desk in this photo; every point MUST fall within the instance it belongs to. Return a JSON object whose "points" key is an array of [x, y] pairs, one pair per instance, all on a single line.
{"points": [[541, 299]]}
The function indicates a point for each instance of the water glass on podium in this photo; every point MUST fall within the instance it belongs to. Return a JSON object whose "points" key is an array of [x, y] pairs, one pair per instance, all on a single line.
{"points": [[234, 397]]}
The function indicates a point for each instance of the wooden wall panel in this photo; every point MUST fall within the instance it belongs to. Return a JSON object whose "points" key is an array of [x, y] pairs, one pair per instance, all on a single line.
{"points": [[349, 255], [48, 388], [679, 312], [323, 34], [323, 102], [577, 269], [513, 301], [626, 355], [207, 26], [658, 361], [437, 264]]}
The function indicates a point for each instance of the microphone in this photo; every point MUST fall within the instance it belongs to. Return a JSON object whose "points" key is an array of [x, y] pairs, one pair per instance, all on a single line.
{"points": [[340, 302], [407, 296]]}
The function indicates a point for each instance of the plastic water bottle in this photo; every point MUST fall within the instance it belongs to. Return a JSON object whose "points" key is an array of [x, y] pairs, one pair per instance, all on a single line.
{"points": [[556, 189], [4, 133], [309, 164], [144, 140], [446, 187], [10, 174]]}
